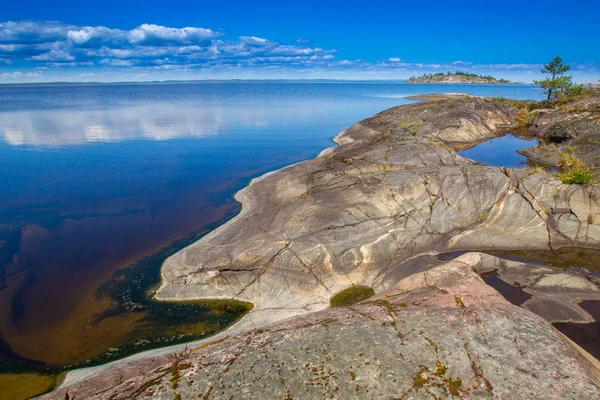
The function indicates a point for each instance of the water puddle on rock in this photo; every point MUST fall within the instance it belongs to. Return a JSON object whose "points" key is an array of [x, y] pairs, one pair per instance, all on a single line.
{"points": [[500, 151], [513, 293], [583, 262], [585, 335], [576, 258]]}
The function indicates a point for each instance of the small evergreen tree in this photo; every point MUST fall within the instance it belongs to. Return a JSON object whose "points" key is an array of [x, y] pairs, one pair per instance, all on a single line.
{"points": [[556, 84]]}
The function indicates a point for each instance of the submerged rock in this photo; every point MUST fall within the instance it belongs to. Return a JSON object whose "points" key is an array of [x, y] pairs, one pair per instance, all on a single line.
{"points": [[441, 333]]}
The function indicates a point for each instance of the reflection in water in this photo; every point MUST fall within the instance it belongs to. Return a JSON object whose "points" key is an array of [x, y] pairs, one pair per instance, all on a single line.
{"points": [[152, 121], [501, 151], [156, 121], [585, 335], [513, 293]]}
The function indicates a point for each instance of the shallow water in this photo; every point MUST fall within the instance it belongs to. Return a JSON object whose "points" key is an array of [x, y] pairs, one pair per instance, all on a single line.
{"points": [[500, 152], [513, 293], [567, 257], [580, 260], [99, 183], [585, 335]]}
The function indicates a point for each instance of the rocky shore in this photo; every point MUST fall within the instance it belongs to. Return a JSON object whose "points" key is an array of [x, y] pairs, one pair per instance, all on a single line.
{"points": [[374, 212], [570, 129]]}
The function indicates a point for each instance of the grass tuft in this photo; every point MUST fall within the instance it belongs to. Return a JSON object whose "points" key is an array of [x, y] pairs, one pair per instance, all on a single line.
{"points": [[580, 176]]}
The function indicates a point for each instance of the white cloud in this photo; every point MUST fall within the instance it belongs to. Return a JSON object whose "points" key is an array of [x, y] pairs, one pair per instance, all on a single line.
{"points": [[148, 45], [153, 49], [116, 63], [54, 55], [10, 48], [95, 36], [19, 74], [254, 41], [11, 75], [62, 64], [30, 32], [149, 33]]}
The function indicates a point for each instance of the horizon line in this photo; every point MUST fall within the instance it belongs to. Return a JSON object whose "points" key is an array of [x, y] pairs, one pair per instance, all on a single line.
{"points": [[58, 83]]}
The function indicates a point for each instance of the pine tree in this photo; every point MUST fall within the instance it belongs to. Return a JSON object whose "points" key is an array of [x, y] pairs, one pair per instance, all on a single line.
{"points": [[557, 84]]}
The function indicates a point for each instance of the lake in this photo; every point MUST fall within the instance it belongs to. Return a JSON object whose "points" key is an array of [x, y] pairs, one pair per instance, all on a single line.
{"points": [[100, 183]]}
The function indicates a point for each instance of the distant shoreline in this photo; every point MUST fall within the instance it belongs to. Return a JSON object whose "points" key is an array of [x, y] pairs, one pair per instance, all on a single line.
{"points": [[399, 81], [459, 78]]}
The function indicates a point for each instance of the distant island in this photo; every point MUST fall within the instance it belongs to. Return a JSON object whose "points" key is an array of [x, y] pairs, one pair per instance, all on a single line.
{"points": [[457, 77]]}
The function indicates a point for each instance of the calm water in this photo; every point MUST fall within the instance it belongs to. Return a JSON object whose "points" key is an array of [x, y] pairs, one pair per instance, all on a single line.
{"points": [[95, 179], [578, 260], [500, 151]]}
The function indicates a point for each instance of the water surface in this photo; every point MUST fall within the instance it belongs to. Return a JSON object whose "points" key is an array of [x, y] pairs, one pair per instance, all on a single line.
{"points": [[500, 151], [580, 260]]}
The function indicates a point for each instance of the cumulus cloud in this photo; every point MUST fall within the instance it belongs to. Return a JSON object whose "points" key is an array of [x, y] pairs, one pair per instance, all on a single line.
{"points": [[116, 63], [19, 74], [54, 55], [158, 35], [462, 63], [29, 32], [153, 50], [53, 43]]}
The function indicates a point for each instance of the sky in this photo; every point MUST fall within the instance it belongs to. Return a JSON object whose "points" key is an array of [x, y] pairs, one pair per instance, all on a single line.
{"points": [[132, 40]]}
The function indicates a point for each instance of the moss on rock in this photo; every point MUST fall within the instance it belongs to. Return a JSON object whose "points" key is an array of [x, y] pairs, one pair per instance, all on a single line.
{"points": [[351, 295]]}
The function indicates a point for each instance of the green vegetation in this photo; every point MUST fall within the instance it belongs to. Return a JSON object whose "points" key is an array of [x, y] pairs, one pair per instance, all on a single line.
{"points": [[569, 160], [580, 176], [558, 84], [459, 302], [563, 102], [350, 296], [440, 75], [576, 90], [575, 171], [523, 118], [411, 126]]}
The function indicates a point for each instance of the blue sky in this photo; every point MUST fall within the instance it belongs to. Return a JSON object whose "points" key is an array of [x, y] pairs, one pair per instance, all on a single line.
{"points": [[161, 40]]}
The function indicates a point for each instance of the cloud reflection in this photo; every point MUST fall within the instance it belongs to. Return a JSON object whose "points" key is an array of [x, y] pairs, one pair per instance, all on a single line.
{"points": [[151, 121]]}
